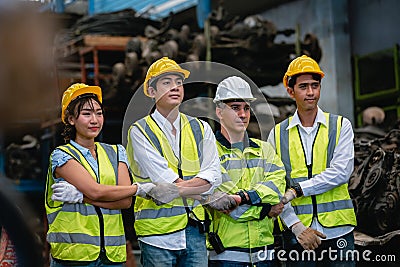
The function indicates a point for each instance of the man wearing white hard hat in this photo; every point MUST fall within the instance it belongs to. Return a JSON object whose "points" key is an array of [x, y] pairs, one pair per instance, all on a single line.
{"points": [[253, 175]]}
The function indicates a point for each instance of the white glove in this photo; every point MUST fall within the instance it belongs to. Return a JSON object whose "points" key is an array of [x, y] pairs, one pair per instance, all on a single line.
{"points": [[66, 192], [143, 189], [307, 237], [289, 195], [163, 193], [298, 228], [220, 201]]}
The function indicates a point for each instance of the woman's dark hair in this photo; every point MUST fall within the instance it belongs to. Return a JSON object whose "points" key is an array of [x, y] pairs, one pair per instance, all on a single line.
{"points": [[293, 79], [74, 109]]}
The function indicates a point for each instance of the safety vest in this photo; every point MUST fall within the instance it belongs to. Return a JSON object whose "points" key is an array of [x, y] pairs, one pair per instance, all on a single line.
{"points": [[258, 168], [78, 232], [332, 208], [151, 219]]}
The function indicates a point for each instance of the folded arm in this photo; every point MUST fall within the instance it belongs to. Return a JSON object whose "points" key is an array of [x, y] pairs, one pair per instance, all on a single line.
{"points": [[263, 197], [74, 173]]}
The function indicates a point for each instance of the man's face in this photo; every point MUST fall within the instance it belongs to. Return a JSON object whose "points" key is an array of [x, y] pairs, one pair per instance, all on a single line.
{"points": [[168, 91], [306, 92], [234, 116]]}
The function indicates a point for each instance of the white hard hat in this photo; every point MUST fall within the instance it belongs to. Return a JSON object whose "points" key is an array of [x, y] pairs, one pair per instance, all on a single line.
{"points": [[233, 88]]}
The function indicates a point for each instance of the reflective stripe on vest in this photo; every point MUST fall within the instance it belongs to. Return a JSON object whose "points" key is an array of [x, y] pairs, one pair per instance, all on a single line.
{"points": [[74, 229], [151, 219], [333, 208]]}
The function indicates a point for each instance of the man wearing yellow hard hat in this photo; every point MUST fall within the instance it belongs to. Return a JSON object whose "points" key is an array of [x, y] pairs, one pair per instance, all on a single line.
{"points": [[316, 148], [178, 153]]}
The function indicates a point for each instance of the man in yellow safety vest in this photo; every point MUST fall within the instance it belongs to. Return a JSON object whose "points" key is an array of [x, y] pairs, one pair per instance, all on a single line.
{"points": [[253, 175], [317, 150], [178, 153]]}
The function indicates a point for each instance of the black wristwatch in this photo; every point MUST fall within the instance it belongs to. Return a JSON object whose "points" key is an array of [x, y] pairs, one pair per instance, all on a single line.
{"points": [[243, 199], [297, 188]]}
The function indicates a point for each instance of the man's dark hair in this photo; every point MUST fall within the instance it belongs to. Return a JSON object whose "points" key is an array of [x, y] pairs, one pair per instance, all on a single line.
{"points": [[154, 82], [293, 79]]}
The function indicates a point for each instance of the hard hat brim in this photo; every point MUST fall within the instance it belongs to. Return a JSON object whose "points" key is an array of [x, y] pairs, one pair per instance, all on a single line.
{"points": [[184, 72], [87, 90], [236, 99], [287, 77]]}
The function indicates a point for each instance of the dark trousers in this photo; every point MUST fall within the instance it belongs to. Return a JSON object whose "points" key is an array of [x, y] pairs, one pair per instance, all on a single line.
{"points": [[240, 264], [337, 252]]}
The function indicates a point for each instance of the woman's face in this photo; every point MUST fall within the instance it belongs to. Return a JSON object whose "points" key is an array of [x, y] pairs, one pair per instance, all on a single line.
{"points": [[89, 121]]}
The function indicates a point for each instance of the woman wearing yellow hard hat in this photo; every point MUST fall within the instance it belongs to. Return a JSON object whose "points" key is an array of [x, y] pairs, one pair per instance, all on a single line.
{"points": [[88, 184]]}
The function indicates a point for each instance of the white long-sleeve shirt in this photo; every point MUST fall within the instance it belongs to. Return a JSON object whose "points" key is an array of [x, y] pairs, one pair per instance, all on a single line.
{"points": [[151, 164], [336, 174]]}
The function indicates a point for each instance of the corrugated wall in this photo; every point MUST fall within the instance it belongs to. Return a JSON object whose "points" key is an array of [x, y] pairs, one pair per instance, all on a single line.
{"points": [[156, 9]]}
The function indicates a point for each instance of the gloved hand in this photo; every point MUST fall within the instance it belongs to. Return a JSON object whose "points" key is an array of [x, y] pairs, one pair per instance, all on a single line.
{"points": [[307, 237], [163, 193], [220, 201], [289, 195], [276, 210], [66, 192], [143, 189]]}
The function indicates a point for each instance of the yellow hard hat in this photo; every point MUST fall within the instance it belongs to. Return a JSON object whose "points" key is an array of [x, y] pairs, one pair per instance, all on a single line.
{"points": [[76, 90], [303, 64], [162, 66]]}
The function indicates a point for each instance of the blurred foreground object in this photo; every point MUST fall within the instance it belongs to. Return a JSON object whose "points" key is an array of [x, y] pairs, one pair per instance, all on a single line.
{"points": [[28, 102], [18, 221], [26, 70], [8, 256]]}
